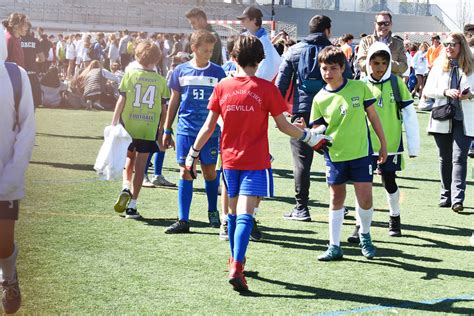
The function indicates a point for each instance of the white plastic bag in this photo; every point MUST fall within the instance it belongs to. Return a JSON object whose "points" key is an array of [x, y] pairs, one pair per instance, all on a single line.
{"points": [[113, 152]]}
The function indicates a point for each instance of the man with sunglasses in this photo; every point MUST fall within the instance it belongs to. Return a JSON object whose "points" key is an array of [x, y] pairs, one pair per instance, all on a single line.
{"points": [[383, 33]]}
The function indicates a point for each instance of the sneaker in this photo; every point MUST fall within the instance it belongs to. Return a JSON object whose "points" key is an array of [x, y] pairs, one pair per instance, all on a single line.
{"points": [[161, 181], [255, 234], [224, 231], [214, 219], [368, 249], [444, 204], [122, 201], [298, 215], [354, 238], [394, 226], [237, 277], [11, 296], [147, 183], [132, 213], [333, 253], [457, 207], [180, 227]]}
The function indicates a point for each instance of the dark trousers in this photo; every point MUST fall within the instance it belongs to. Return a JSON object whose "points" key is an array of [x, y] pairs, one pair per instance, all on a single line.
{"points": [[453, 149], [35, 89], [302, 160]]}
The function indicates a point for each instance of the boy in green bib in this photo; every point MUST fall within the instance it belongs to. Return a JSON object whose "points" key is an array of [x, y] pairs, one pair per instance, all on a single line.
{"points": [[141, 109], [394, 108], [343, 106]]}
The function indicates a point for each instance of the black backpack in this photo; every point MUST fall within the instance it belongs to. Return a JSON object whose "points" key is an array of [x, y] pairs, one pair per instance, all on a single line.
{"points": [[308, 74], [15, 77]]}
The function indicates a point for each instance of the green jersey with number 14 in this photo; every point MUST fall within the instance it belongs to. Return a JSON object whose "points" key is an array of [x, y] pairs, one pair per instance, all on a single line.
{"points": [[144, 91]]}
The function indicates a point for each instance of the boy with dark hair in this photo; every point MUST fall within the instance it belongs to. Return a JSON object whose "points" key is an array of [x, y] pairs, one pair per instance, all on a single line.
{"points": [[244, 103], [342, 106], [392, 113], [191, 84], [141, 107]]}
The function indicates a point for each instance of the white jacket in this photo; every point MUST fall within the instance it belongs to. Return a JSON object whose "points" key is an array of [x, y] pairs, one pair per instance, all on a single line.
{"points": [[438, 81], [268, 67], [15, 146]]}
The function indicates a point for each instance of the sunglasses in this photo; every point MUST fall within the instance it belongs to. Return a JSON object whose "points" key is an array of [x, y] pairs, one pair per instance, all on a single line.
{"points": [[450, 44], [384, 23]]}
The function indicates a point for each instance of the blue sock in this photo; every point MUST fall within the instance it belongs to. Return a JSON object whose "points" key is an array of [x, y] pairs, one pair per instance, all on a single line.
{"points": [[185, 196], [211, 192], [231, 231], [148, 164], [242, 236], [219, 173], [159, 158]]}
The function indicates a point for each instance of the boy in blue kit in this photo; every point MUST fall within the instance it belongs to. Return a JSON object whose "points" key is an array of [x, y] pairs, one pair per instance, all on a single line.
{"points": [[191, 85], [342, 106], [392, 115]]}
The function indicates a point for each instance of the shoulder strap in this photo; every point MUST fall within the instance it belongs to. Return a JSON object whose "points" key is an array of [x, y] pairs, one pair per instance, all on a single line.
{"points": [[15, 78], [396, 93]]}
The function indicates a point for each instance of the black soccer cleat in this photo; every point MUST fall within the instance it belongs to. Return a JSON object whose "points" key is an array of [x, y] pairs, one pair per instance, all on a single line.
{"points": [[394, 226], [180, 227], [354, 237], [255, 234]]}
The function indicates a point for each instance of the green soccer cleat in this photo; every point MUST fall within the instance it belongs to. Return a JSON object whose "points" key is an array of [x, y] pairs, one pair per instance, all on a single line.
{"points": [[333, 253], [122, 201], [368, 249]]}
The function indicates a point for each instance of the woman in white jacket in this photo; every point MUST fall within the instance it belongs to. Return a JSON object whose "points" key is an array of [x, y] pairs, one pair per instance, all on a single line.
{"points": [[451, 80], [17, 134]]}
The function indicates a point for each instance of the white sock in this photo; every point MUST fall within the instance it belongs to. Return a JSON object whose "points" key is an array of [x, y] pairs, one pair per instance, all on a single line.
{"points": [[126, 185], [132, 204], [336, 217], [8, 266], [394, 203], [255, 210], [365, 219]]}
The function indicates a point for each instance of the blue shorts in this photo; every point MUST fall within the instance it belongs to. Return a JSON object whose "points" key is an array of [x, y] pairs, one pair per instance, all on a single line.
{"points": [[393, 163], [207, 155], [357, 170], [249, 182]]}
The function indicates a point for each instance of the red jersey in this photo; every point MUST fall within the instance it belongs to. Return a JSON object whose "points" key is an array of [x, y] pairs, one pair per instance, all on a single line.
{"points": [[244, 104], [15, 52]]}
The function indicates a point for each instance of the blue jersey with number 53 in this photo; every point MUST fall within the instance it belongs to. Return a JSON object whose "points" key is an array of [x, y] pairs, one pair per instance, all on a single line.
{"points": [[195, 86]]}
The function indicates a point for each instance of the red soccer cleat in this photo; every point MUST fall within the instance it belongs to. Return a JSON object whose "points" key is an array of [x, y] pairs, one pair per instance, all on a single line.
{"points": [[237, 278]]}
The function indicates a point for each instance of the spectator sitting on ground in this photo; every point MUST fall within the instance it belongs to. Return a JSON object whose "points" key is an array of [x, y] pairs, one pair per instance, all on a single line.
{"points": [[52, 88], [92, 82]]}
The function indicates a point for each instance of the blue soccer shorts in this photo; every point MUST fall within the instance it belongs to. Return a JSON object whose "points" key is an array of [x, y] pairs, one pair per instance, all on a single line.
{"points": [[357, 170], [393, 163], [249, 182], [207, 155]]}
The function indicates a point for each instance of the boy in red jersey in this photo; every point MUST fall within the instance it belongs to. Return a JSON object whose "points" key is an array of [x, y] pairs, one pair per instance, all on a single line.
{"points": [[244, 103]]}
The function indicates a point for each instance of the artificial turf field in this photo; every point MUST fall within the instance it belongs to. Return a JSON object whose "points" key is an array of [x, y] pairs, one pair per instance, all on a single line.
{"points": [[77, 256]]}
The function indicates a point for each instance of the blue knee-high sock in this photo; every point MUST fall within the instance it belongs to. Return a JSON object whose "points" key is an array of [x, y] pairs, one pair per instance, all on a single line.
{"points": [[159, 158], [242, 235], [148, 164], [185, 196], [219, 173], [231, 222], [211, 192]]}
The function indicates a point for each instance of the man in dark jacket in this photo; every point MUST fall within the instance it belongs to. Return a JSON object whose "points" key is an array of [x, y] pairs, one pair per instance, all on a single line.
{"points": [[320, 30]]}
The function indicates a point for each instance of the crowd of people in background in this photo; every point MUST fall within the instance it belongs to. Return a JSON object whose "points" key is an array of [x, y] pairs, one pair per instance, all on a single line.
{"points": [[310, 80]]}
